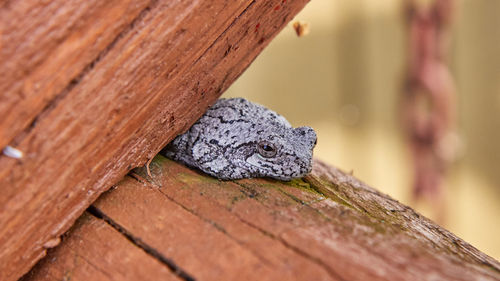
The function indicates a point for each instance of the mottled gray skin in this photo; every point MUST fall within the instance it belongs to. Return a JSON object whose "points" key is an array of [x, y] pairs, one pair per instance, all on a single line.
{"points": [[238, 139]]}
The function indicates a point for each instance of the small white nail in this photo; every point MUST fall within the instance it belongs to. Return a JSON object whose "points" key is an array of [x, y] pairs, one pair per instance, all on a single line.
{"points": [[13, 152]]}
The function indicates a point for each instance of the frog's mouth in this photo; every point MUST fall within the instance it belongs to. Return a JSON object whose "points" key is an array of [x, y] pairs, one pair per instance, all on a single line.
{"points": [[261, 163], [265, 169]]}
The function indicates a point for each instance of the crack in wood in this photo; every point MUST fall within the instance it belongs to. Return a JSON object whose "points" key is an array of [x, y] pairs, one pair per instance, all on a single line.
{"points": [[181, 273]]}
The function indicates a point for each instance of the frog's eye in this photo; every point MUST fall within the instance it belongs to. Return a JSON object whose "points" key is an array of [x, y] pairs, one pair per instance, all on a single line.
{"points": [[266, 149]]}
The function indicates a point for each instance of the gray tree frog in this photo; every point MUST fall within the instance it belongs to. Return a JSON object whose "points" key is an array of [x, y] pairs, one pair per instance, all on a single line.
{"points": [[238, 139]]}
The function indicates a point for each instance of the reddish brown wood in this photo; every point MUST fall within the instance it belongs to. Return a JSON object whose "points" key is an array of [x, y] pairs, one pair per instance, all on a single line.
{"points": [[150, 83], [328, 226], [222, 249], [46, 44], [93, 250]]}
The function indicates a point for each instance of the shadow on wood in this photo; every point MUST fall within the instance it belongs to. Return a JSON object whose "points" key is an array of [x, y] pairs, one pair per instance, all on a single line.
{"points": [[327, 226]]}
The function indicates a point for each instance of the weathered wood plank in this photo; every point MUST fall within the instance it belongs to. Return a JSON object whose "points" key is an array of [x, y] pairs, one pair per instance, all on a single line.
{"points": [[328, 226], [46, 44], [150, 84], [222, 248], [93, 250]]}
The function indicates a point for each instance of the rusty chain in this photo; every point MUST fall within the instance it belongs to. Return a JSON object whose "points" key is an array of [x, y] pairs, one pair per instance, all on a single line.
{"points": [[428, 103]]}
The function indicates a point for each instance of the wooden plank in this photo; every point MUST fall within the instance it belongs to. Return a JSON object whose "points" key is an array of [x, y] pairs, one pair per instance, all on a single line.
{"points": [[328, 226], [93, 250], [150, 84], [218, 246], [44, 45]]}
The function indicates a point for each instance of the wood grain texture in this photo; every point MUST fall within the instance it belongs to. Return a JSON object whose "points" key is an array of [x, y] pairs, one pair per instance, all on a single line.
{"points": [[328, 226], [93, 250], [221, 249], [155, 78], [46, 44]]}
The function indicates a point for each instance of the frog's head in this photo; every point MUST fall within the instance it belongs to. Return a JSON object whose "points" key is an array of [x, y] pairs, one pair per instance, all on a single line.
{"points": [[282, 154]]}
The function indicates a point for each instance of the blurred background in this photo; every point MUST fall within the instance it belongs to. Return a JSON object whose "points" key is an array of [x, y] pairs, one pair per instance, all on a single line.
{"points": [[347, 78]]}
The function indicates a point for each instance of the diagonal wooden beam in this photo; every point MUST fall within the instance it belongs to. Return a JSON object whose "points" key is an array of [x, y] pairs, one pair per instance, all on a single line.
{"points": [[45, 45], [156, 73]]}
